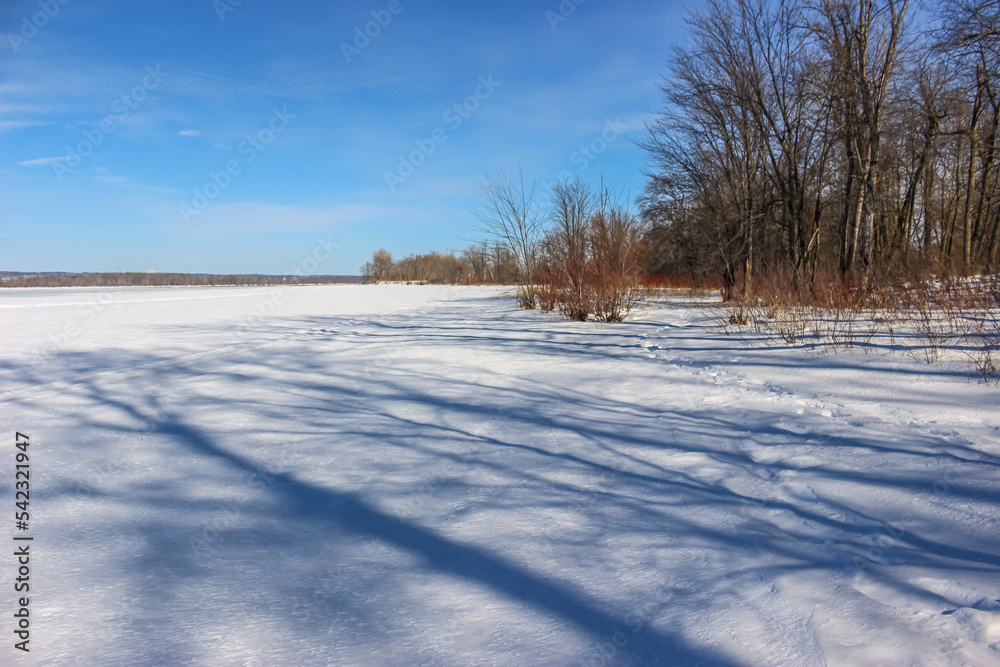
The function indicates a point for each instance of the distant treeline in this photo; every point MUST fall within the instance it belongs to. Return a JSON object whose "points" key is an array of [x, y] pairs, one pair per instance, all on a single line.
{"points": [[482, 264], [581, 252], [11, 279]]}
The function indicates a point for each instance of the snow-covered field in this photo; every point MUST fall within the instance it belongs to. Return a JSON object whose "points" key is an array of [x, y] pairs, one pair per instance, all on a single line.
{"points": [[424, 475]]}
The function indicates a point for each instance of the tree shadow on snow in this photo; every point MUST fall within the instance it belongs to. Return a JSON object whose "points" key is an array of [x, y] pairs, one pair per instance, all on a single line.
{"points": [[602, 464]]}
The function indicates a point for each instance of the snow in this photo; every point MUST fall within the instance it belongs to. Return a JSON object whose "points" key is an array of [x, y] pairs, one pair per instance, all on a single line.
{"points": [[425, 475]]}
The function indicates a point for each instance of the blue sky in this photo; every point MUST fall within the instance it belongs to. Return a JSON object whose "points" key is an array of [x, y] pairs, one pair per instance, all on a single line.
{"points": [[243, 136]]}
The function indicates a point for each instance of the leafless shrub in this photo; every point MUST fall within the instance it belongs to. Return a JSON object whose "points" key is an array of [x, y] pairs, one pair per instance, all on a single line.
{"points": [[510, 214], [567, 249], [928, 316], [985, 328], [616, 261], [548, 298], [593, 255]]}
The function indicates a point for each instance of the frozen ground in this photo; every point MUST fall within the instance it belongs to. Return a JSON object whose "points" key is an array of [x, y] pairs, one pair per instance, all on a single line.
{"points": [[423, 475]]}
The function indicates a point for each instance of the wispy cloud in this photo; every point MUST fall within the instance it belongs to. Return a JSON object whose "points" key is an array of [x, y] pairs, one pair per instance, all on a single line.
{"points": [[260, 217], [7, 125], [106, 176], [43, 161], [189, 133], [113, 180]]}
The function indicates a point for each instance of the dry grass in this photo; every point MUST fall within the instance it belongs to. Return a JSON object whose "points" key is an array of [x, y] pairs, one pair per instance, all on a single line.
{"points": [[924, 318]]}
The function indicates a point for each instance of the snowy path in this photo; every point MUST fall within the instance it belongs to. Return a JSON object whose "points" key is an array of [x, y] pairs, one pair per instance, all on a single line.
{"points": [[423, 475]]}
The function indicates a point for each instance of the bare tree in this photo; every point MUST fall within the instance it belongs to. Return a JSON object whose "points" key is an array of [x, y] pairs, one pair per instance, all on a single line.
{"points": [[379, 267], [781, 78], [913, 136], [567, 249], [862, 38], [617, 258], [971, 36], [477, 257], [708, 151], [510, 214]]}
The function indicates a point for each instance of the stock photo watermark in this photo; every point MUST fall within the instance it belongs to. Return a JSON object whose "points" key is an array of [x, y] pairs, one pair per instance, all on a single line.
{"points": [[588, 153], [562, 13], [364, 34], [22, 541], [230, 515], [320, 254], [32, 25], [453, 117], [60, 340], [223, 7], [248, 150], [121, 108], [635, 622], [265, 308]]}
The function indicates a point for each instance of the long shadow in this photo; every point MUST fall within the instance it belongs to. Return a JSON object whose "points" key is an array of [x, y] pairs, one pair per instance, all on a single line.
{"points": [[708, 424], [302, 500], [323, 395]]}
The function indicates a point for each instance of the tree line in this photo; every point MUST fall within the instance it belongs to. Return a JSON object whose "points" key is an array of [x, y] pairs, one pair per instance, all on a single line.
{"points": [[162, 279], [576, 249], [485, 263], [802, 144], [810, 139]]}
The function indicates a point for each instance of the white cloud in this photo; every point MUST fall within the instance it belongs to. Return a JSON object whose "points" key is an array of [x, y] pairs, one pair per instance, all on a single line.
{"points": [[113, 180], [189, 133], [102, 175], [7, 125], [43, 161], [256, 217]]}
